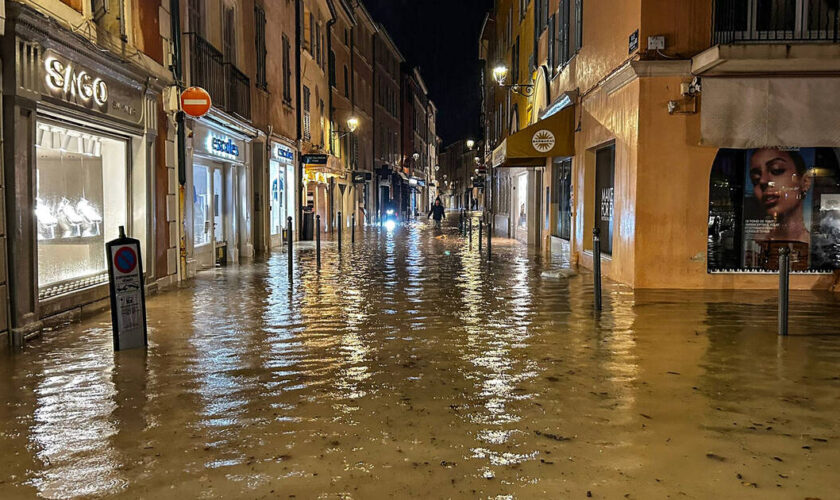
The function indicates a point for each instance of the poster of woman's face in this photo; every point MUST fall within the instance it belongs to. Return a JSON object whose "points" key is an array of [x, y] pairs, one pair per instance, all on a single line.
{"points": [[781, 208]]}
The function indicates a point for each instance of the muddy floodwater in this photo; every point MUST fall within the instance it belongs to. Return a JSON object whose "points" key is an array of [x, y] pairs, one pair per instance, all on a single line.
{"points": [[409, 367]]}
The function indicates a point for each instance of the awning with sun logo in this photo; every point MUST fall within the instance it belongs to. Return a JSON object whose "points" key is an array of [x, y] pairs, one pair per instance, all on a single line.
{"points": [[551, 137]]}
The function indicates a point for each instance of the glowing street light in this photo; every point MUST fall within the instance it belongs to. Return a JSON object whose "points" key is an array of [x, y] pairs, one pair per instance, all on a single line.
{"points": [[470, 143]]}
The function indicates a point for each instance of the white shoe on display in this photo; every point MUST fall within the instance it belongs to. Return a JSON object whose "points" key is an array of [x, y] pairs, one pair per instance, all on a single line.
{"points": [[92, 218]]}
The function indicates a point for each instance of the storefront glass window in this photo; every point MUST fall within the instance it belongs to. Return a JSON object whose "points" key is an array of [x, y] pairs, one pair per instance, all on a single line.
{"points": [[201, 205], [562, 200], [81, 200], [218, 200], [277, 194], [762, 200], [605, 196]]}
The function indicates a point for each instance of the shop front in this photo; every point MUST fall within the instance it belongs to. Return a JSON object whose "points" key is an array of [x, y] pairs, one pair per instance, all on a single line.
{"points": [[523, 204], [319, 174], [281, 191], [79, 143], [221, 195]]}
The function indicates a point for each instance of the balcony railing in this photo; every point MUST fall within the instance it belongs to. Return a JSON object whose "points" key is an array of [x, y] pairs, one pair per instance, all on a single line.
{"points": [[229, 88], [739, 21], [239, 92]]}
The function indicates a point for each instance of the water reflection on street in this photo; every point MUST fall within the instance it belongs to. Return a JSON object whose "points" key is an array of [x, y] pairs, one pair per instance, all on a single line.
{"points": [[409, 366]]}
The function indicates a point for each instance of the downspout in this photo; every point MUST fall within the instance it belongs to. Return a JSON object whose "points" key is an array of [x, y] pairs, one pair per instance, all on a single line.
{"points": [[181, 135], [374, 183], [350, 142], [298, 89], [331, 189], [330, 71]]}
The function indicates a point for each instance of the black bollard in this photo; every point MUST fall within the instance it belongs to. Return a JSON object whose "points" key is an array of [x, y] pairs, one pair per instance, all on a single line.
{"points": [[461, 222], [353, 229], [318, 239], [490, 237], [339, 232], [480, 234], [290, 248], [784, 289], [470, 233], [596, 265]]}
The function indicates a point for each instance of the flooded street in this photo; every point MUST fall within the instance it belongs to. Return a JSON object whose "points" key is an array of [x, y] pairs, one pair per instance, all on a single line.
{"points": [[409, 367]]}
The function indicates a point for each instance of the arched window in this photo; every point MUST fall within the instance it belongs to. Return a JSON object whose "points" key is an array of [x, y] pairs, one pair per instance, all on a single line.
{"points": [[762, 200]]}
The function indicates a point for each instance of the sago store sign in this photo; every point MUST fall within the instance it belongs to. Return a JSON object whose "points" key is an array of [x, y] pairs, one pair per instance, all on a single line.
{"points": [[76, 85]]}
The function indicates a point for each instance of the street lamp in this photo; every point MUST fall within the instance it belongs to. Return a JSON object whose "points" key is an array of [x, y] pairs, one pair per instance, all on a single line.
{"points": [[352, 126], [416, 156], [470, 143], [524, 89]]}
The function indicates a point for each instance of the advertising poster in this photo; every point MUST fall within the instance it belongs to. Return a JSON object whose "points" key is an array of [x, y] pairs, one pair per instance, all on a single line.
{"points": [[789, 197]]}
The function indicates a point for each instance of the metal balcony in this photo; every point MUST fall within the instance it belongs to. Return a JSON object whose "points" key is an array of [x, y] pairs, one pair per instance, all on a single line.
{"points": [[229, 88], [239, 92], [756, 21]]}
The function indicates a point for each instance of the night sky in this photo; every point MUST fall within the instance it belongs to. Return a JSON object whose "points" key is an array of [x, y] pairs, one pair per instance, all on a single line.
{"points": [[441, 37]]}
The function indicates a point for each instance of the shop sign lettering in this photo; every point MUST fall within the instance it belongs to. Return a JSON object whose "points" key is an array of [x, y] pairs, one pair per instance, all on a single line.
{"points": [[75, 83], [282, 152], [224, 147], [607, 204]]}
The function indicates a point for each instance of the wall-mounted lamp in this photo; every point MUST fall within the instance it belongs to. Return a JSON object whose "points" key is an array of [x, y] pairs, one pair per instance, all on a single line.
{"points": [[470, 143], [352, 126], [500, 75]]}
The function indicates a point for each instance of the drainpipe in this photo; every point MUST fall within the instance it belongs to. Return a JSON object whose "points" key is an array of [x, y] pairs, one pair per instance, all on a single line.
{"points": [[298, 90], [181, 137]]}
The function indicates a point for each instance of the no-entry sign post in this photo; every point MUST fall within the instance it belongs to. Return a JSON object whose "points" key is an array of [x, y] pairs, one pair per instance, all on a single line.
{"points": [[128, 299], [196, 102]]}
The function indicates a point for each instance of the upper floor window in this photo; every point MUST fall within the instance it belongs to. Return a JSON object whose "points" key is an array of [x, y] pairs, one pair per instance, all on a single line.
{"points": [[287, 70], [759, 20], [196, 16], [229, 35], [578, 24], [259, 42]]}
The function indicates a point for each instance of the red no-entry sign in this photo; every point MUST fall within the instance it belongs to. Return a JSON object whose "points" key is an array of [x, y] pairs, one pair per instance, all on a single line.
{"points": [[196, 102]]}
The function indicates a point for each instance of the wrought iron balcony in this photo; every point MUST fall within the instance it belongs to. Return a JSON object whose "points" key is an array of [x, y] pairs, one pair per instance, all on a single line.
{"points": [[229, 88], [239, 92], [745, 21]]}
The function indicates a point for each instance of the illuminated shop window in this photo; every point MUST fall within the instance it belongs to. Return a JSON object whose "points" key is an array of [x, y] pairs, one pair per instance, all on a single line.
{"points": [[762, 200], [81, 200]]}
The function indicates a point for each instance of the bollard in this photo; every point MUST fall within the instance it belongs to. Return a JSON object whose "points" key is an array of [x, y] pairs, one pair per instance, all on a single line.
{"points": [[784, 289], [461, 222], [490, 238], [339, 231], [290, 251], [470, 233], [318, 239], [353, 229], [480, 234], [596, 265]]}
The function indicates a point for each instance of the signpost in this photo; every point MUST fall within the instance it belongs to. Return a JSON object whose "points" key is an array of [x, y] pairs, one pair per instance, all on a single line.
{"points": [[128, 298], [196, 102]]}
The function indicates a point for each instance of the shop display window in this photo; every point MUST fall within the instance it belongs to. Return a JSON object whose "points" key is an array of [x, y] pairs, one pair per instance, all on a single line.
{"points": [[277, 197], [201, 205], [763, 200], [81, 200], [218, 194]]}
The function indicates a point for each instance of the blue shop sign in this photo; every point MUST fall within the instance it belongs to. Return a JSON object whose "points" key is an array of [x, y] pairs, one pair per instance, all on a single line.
{"points": [[224, 147], [281, 152]]}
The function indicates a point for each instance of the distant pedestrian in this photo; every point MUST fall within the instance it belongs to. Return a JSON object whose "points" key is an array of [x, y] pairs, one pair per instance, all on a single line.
{"points": [[437, 212]]}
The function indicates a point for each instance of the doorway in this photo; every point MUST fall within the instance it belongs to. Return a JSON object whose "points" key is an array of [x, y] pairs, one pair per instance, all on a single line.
{"points": [[212, 209]]}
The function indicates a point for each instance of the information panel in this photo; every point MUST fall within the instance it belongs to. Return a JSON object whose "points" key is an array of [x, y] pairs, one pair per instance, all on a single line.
{"points": [[128, 299]]}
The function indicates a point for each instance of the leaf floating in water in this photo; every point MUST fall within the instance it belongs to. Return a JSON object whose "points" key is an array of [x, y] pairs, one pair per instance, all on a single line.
{"points": [[552, 436], [715, 457]]}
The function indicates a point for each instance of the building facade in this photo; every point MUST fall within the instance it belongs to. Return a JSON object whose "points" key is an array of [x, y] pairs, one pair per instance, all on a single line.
{"points": [[276, 154], [85, 145], [387, 119], [627, 123]]}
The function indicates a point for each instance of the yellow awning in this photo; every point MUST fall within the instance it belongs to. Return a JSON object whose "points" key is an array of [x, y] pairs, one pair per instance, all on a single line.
{"points": [[552, 137]]}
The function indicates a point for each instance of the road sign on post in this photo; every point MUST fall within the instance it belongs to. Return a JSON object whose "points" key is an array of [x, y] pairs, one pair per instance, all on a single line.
{"points": [[128, 299], [196, 102]]}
